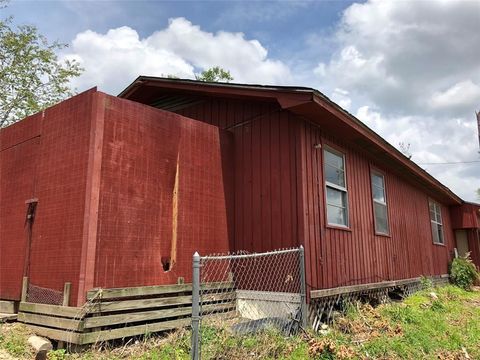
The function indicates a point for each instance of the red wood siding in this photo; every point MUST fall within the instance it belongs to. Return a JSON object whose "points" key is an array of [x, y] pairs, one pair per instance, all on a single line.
{"points": [[473, 236], [19, 147], [265, 170], [465, 216], [50, 154], [338, 257], [141, 149]]}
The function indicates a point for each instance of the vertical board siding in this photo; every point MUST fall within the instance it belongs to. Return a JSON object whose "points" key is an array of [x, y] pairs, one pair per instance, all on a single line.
{"points": [[19, 146], [152, 160], [341, 257], [265, 170]]}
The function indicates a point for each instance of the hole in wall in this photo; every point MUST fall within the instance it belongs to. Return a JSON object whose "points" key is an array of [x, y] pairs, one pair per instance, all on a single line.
{"points": [[166, 263]]}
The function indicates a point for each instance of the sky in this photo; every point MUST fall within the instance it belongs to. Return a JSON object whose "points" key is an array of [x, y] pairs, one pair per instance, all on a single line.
{"points": [[410, 70]]}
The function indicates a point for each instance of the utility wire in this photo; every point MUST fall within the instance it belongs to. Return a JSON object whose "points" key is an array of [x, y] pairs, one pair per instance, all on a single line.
{"points": [[451, 163]]}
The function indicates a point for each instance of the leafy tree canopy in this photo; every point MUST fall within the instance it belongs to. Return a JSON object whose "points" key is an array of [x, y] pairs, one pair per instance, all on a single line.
{"points": [[214, 74], [31, 76]]}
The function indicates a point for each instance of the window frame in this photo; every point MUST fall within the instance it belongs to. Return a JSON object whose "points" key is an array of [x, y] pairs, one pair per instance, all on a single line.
{"points": [[333, 186], [374, 171], [434, 221]]}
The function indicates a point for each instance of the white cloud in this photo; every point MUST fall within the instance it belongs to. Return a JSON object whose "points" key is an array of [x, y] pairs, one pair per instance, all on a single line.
{"points": [[411, 69], [341, 97], [400, 53], [464, 94], [114, 59], [429, 143]]}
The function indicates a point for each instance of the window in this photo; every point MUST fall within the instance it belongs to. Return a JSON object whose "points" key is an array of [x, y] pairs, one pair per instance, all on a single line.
{"points": [[436, 220], [336, 188], [379, 203]]}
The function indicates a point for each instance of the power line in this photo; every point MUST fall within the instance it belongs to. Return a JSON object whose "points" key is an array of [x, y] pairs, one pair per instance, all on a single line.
{"points": [[451, 163]]}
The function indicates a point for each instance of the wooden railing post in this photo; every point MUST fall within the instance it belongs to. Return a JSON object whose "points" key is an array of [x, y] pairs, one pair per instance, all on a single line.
{"points": [[24, 289], [66, 293]]}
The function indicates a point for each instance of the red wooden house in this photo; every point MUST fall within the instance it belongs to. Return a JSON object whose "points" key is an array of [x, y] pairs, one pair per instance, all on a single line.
{"points": [[125, 193]]}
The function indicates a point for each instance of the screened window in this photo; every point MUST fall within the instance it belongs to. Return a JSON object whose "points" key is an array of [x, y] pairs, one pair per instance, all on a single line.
{"points": [[336, 188], [379, 203], [436, 221]]}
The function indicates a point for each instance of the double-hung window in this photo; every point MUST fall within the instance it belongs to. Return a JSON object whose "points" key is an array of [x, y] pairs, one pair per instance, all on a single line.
{"points": [[436, 221], [336, 188], [379, 203]]}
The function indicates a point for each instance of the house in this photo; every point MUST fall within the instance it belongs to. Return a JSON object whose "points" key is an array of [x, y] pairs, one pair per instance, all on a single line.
{"points": [[466, 224], [111, 192], [104, 192]]}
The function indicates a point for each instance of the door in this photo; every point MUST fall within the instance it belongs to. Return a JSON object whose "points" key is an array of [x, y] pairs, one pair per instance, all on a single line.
{"points": [[462, 242]]}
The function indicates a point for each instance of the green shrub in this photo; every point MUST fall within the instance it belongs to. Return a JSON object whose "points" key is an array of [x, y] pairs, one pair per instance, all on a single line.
{"points": [[463, 272], [426, 283]]}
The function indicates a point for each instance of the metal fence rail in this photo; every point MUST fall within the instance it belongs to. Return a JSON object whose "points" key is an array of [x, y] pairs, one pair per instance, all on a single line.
{"points": [[248, 293]]}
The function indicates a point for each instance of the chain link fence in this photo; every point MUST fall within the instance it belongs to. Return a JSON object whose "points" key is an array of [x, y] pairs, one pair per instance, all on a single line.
{"points": [[248, 293]]}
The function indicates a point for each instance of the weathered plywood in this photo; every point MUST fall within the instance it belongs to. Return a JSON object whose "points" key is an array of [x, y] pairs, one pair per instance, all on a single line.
{"points": [[118, 293], [7, 307], [362, 287], [55, 310], [125, 318], [61, 335], [99, 336], [110, 306], [50, 321]]}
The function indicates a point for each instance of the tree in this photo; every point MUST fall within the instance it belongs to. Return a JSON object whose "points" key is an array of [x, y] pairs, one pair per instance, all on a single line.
{"points": [[478, 194], [31, 76], [214, 74]]}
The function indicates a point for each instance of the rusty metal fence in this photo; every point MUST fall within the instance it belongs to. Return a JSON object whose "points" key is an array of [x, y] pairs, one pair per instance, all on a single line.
{"points": [[248, 293]]}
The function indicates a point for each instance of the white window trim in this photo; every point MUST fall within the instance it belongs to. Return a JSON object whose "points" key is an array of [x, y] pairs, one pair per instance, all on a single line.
{"points": [[380, 202], [434, 221], [337, 187]]}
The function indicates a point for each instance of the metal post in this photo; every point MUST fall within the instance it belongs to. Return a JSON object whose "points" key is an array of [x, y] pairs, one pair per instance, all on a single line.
{"points": [[196, 307], [303, 287]]}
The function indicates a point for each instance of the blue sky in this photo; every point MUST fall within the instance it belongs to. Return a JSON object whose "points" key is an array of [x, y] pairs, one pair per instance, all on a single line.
{"points": [[408, 69], [272, 22]]}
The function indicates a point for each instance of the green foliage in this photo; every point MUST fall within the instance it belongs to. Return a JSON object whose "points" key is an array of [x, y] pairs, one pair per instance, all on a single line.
{"points": [[59, 354], [426, 283], [214, 74], [422, 326], [14, 342], [463, 272], [31, 75]]}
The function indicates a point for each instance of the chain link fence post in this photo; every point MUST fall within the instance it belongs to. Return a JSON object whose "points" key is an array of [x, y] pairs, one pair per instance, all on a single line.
{"points": [[196, 307], [303, 287]]}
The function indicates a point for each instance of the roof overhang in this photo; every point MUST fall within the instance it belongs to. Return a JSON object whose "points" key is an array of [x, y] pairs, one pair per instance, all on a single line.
{"points": [[306, 102]]}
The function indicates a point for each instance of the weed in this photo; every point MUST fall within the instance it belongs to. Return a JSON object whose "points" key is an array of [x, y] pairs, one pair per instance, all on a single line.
{"points": [[463, 272]]}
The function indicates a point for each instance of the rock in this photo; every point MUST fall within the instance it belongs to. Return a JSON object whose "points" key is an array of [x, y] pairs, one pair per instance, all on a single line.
{"points": [[433, 296], [41, 346]]}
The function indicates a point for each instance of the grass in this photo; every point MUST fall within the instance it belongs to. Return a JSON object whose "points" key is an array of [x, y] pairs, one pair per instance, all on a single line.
{"points": [[443, 326]]}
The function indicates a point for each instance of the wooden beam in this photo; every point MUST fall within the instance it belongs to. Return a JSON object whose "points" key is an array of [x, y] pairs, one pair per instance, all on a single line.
{"points": [[24, 288], [66, 293], [55, 310], [99, 336], [51, 321], [61, 335], [118, 293], [358, 288], [125, 318], [110, 306], [7, 307]]}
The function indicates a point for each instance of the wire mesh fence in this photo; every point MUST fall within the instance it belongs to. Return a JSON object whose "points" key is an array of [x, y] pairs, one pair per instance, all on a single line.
{"points": [[41, 295], [248, 293]]}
